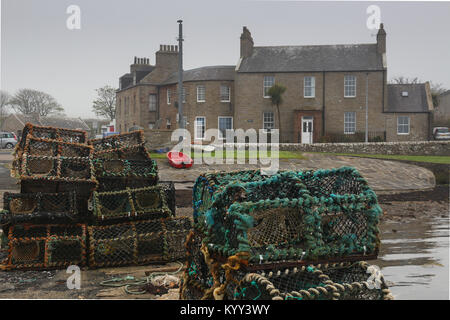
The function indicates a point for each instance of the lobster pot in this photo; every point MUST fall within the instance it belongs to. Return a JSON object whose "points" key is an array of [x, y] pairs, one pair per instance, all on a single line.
{"points": [[345, 281], [142, 203], [137, 152], [53, 148], [39, 207], [118, 141], [340, 181], [294, 229], [198, 280], [46, 246], [82, 191], [136, 243], [62, 169], [222, 189], [126, 169], [50, 133], [121, 183]]}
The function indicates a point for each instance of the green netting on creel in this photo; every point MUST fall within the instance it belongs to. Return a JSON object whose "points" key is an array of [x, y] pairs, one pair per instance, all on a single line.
{"points": [[320, 282], [280, 219], [197, 269], [39, 207], [142, 203], [222, 190], [340, 181]]}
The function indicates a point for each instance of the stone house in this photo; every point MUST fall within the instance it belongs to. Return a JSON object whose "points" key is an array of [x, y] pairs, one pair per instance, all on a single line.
{"points": [[441, 116], [16, 122], [327, 88]]}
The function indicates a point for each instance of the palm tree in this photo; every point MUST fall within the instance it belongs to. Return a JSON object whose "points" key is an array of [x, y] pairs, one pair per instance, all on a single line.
{"points": [[275, 92]]}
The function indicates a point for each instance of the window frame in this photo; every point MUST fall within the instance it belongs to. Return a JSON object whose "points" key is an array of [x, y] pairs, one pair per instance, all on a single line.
{"points": [[268, 87], [229, 92], [195, 127], [264, 121], [204, 93], [312, 87], [353, 122], [349, 86], [169, 96], [403, 125], [218, 125], [150, 102]]}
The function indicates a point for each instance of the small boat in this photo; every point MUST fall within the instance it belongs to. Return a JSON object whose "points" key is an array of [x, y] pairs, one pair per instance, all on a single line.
{"points": [[179, 160]]}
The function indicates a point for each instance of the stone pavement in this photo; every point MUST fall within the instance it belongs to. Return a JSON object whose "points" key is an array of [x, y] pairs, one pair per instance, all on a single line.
{"points": [[383, 176]]}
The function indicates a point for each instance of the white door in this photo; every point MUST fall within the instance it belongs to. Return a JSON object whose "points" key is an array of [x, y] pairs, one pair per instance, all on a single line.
{"points": [[307, 129]]}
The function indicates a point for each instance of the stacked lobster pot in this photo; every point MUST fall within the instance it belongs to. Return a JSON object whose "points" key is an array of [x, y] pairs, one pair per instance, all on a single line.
{"points": [[88, 203], [290, 236], [133, 216], [44, 223]]}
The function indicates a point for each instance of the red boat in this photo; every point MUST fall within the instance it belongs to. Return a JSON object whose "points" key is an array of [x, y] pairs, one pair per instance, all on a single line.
{"points": [[179, 160]]}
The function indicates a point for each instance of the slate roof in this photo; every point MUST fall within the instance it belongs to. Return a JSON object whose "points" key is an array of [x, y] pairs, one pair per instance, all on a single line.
{"points": [[353, 57], [444, 93], [416, 101], [224, 73], [54, 121]]}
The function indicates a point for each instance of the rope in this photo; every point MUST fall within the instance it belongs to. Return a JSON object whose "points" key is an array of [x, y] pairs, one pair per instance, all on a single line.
{"points": [[129, 281]]}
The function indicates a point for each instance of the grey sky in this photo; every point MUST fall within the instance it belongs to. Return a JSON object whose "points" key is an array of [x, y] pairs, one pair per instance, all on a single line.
{"points": [[39, 52]]}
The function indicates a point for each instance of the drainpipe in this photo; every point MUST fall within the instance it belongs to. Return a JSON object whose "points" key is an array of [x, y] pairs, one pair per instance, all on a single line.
{"points": [[323, 104], [367, 107]]}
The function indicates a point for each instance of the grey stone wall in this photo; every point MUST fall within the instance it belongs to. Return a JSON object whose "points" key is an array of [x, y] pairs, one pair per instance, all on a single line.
{"points": [[432, 148]]}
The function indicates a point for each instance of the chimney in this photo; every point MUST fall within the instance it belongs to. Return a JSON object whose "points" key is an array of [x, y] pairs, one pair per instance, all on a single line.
{"points": [[381, 40], [246, 43], [167, 57]]}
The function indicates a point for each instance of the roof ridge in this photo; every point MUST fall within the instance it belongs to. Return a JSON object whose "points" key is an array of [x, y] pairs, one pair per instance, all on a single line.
{"points": [[318, 45]]}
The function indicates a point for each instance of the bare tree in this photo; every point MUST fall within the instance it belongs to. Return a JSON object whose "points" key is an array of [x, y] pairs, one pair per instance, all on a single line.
{"points": [[4, 101], [105, 104], [28, 101], [404, 80]]}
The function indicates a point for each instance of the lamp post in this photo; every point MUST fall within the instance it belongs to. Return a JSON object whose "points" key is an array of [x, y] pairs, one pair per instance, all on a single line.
{"points": [[367, 107], [180, 75]]}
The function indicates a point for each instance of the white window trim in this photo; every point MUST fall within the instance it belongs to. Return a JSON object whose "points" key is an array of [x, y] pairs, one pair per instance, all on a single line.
{"points": [[195, 128], [229, 93], [264, 87], [198, 87], [218, 125], [313, 86], [273, 116], [409, 126], [168, 96], [355, 122], [355, 86]]}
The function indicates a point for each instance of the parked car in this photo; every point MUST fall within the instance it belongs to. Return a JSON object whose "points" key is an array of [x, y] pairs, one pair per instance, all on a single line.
{"points": [[7, 140], [441, 133]]}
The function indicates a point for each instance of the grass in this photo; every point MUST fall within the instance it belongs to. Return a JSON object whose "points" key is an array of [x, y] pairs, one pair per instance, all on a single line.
{"points": [[428, 159], [247, 154]]}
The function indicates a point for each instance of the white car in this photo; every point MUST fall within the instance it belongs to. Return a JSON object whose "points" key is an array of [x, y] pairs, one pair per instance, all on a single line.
{"points": [[441, 133], [7, 140]]}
